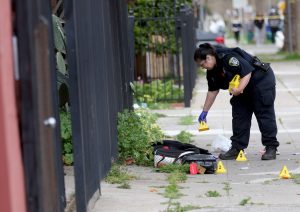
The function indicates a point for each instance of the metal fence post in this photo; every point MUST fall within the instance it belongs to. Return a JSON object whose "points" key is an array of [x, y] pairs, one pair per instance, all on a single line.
{"points": [[130, 75], [187, 48]]}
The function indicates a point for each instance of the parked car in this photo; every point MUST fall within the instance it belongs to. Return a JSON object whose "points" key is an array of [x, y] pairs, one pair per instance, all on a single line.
{"points": [[209, 37]]}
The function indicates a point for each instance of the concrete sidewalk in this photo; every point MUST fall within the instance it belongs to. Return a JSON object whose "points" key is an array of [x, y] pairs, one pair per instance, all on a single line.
{"points": [[254, 179]]}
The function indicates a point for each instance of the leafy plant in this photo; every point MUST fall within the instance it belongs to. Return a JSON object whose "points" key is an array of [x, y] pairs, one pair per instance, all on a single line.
{"points": [[184, 137], [177, 207], [156, 91], [227, 187], [151, 34], [296, 178], [66, 137], [245, 201], [60, 44], [118, 175], [212, 194], [186, 120], [137, 132], [174, 167]]}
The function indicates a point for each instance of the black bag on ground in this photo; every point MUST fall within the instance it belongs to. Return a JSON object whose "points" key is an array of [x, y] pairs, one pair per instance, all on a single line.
{"points": [[171, 152]]}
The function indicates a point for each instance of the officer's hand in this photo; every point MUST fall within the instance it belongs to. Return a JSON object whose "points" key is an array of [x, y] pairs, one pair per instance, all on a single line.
{"points": [[202, 116], [236, 91]]}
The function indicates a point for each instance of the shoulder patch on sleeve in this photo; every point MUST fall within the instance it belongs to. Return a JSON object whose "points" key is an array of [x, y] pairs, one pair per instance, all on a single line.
{"points": [[234, 62]]}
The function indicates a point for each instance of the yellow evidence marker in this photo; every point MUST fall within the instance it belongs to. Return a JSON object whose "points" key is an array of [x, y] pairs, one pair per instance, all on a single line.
{"points": [[203, 126], [220, 168], [284, 173], [234, 83], [241, 156]]}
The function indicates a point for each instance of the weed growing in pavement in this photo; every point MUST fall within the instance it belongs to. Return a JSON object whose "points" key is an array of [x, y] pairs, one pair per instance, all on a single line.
{"points": [[184, 137], [176, 207], [177, 177], [245, 201], [212, 194], [288, 142], [124, 185], [186, 120], [174, 167], [203, 181], [227, 187], [119, 175], [172, 192], [296, 178]]}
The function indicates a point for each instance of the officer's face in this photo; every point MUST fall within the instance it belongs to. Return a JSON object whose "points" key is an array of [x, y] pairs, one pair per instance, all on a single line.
{"points": [[209, 63]]}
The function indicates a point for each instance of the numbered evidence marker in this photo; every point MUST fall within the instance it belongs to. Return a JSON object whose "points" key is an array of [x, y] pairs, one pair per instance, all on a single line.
{"points": [[203, 126], [220, 168], [241, 156], [284, 173]]}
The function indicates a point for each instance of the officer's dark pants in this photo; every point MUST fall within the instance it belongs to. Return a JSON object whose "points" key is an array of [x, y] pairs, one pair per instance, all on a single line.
{"points": [[259, 101]]}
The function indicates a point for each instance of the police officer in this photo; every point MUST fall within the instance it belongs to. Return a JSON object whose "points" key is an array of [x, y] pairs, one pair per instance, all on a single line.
{"points": [[255, 94]]}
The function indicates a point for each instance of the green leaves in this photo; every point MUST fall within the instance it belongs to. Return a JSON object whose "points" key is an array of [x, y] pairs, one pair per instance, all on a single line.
{"points": [[59, 35], [156, 91], [155, 26], [66, 137], [60, 62], [137, 131], [60, 44]]}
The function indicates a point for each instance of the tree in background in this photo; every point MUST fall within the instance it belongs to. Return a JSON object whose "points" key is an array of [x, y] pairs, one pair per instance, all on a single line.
{"points": [[292, 27]]}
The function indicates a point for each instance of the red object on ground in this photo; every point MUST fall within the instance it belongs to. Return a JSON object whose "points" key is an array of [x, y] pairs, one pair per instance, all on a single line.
{"points": [[193, 168], [12, 188]]}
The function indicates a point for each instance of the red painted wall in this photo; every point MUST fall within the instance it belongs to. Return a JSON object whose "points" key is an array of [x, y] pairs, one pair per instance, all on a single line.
{"points": [[12, 192]]}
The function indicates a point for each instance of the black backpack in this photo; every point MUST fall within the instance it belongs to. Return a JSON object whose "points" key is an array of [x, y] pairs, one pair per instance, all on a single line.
{"points": [[175, 152]]}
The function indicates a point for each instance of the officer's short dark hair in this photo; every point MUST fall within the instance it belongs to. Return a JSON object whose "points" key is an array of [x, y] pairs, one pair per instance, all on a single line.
{"points": [[203, 50]]}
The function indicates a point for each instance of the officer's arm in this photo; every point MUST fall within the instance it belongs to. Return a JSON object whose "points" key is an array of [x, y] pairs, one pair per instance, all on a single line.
{"points": [[243, 83], [210, 98]]}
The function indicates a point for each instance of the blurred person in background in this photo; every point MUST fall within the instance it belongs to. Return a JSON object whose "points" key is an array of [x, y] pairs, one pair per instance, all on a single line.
{"points": [[259, 23], [236, 27], [274, 22]]}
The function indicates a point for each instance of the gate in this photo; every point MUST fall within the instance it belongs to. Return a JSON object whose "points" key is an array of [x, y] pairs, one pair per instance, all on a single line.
{"points": [[38, 111], [97, 54], [161, 69]]}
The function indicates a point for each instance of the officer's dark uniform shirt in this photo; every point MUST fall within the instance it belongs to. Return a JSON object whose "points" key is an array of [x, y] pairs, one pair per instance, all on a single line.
{"points": [[227, 67]]}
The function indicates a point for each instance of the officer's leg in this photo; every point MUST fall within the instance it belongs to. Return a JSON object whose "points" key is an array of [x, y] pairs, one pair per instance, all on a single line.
{"points": [[241, 121], [265, 115]]}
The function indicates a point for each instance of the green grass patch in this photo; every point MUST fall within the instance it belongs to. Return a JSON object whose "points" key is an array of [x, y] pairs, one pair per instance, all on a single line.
{"points": [[159, 115], [174, 167], [245, 201], [184, 137], [212, 194], [172, 192], [296, 178], [177, 207], [159, 106], [118, 175], [124, 185], [279, 57], [186, 120], [177, 177]]}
